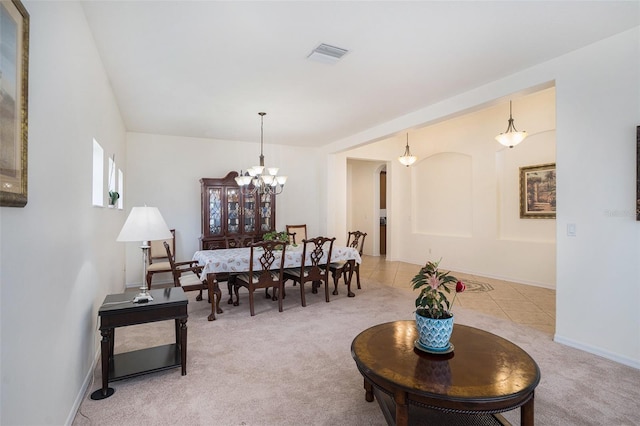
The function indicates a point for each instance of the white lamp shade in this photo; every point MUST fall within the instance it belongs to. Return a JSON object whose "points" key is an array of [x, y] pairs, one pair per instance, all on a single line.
{"points": [[407, 160], [144, 224], [511, 139]]}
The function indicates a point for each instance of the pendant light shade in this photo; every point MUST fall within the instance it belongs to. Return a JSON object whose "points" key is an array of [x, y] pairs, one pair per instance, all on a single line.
{"points": [[511, 137], [407, 159]]}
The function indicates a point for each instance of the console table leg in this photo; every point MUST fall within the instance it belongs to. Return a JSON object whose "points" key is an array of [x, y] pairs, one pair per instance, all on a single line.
{"points": [[106, 352], [526, 412], [183, 345], [112, 342]]}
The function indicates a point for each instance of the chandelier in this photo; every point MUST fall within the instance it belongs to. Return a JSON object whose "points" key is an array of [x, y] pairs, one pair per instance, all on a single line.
{"points": [[407, 159], [511, 137], [261, 179]]}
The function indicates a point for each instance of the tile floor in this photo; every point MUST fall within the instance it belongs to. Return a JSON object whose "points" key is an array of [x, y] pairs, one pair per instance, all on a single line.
{"points": [[520, 303]]}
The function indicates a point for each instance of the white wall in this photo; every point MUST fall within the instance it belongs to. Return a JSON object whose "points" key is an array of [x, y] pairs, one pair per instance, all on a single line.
{"points": [[598, 108], [460, 200], [58, 254], [165, 172]]}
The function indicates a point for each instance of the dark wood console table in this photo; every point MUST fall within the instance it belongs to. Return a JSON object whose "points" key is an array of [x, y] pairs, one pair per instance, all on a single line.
{"points": [[483, 376], [118, 310]]}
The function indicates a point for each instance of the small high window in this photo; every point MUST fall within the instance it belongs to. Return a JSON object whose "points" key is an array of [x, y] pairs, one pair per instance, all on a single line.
{"points": [[120, 189], [98, 175]]}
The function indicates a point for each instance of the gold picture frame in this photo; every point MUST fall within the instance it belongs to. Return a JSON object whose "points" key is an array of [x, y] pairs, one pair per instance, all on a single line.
{"points": [[638, 173], [14, 84], [538, 191]]}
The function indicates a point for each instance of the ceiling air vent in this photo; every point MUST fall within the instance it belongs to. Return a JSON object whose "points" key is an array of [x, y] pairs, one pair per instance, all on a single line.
{"points": [[327, 54]]}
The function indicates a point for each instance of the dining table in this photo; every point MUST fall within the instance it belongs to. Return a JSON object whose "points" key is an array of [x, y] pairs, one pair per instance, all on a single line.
{"points": [[236, 260]]}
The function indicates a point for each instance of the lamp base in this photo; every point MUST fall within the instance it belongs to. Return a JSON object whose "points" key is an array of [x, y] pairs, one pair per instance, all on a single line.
{"points": [[143, 296]]}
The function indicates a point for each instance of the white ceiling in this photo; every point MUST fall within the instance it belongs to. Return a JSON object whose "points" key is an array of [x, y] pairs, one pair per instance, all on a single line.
{"points": [[206, 68]]}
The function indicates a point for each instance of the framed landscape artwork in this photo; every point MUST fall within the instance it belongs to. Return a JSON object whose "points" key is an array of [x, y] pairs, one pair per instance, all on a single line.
{"points": [[14, 71], [538, 192]]}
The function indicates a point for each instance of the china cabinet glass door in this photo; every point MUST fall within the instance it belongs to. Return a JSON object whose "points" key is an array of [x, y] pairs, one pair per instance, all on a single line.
{"points": [[233, 211], [266, 213], [215, 211], [249, 214]]}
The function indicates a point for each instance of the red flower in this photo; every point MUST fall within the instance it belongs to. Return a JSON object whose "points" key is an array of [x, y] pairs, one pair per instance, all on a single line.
{"points": [[460, 287]]}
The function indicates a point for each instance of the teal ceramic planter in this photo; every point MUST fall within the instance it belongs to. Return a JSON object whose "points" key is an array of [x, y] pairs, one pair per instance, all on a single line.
{"points": [[434, 334]]}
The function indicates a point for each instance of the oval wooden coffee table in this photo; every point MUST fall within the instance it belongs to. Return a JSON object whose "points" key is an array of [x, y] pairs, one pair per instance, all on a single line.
{"points": [[483, 376]]}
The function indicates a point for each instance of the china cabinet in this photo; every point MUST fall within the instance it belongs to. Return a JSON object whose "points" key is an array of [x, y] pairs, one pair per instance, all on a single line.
{"points": [[228, 214]]}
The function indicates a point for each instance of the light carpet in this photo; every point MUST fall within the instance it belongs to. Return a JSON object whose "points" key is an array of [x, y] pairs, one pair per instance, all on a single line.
{"points": [[295, 367]]}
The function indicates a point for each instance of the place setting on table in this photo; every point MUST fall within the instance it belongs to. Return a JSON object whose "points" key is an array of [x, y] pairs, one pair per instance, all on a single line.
{"points": [[236, 260]]}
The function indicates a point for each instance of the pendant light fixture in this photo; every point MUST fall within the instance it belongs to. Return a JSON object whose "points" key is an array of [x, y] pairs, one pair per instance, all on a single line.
{"points": [[511, 137], [258, 179], [407, 159]]}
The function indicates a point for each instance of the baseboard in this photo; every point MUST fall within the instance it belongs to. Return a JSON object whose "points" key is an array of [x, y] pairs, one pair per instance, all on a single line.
{"points": [[634, 363], [483, 274]]}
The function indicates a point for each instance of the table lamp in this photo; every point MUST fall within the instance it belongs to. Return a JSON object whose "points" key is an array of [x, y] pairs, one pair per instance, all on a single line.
{"points": [[144, 224]]}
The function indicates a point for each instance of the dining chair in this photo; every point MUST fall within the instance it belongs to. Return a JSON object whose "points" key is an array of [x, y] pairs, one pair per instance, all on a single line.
{"points": [[239, 241], [296, 233], [355, 240], [313, 266], [186, 274], [158, 260], [292, 237], [265, 271]]}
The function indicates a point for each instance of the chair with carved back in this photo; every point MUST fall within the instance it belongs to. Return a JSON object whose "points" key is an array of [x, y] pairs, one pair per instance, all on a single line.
{"points": [[296, 233], [316, 256], [238, 241], [292, 237], [158, 260], [342, 268], [265, 271], [187, 275]]}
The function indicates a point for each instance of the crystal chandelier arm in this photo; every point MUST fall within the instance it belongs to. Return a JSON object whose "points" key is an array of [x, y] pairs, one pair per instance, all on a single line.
{"points": [[259, 179]]}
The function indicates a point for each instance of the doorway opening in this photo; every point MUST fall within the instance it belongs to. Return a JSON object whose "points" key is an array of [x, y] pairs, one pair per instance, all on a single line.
{"points": [[383, 212]]}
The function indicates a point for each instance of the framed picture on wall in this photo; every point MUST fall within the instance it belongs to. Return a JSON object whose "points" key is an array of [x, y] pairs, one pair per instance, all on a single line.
{"points": [[538, 192], [638, 173], [14, 69]]}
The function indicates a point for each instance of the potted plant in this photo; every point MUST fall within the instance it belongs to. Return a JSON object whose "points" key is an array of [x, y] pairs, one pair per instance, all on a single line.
{"points": [[113, 198], [281, 236], [113, 194], [434, 319]]}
